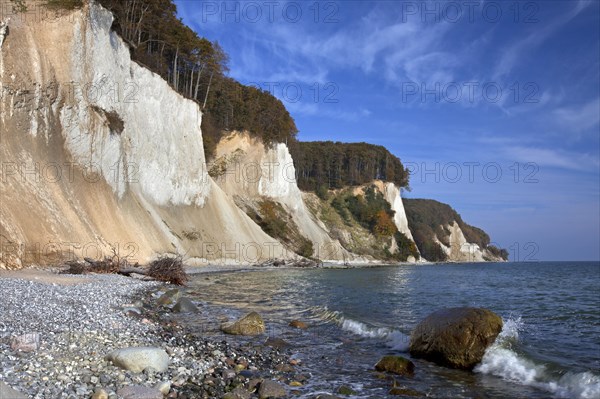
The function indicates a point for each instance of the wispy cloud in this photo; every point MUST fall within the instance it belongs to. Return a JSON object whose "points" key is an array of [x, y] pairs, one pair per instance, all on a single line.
{"points": [[545, 157], [577, 119]]}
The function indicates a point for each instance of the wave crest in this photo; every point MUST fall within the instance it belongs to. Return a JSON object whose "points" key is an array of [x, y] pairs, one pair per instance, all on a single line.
{"points": [[503, 361]]}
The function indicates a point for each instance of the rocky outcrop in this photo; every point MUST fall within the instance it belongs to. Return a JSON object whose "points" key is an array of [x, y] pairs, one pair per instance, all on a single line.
{"points": [[460, 250], [100, 154], [455, 337]]}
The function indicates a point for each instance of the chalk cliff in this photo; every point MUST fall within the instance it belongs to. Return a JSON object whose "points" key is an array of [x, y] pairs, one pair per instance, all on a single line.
{"points": [[98, 153]]}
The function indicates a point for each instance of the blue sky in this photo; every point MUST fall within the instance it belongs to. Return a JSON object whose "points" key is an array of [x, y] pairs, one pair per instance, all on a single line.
{"points": [[494, 105]]}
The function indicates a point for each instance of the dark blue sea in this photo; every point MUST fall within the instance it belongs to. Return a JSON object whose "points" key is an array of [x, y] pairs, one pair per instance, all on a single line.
{"points": [[549, 346]]}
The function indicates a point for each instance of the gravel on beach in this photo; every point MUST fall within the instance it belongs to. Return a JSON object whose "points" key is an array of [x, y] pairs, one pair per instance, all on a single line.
{"points": [[80, 324]]}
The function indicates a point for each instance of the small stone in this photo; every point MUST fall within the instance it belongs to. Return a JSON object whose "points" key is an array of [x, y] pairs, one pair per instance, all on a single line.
{"points": [[163, 387], [238, 393], [169, 297], [298, 324], [228, 374], [139, 392], [271, 389], [284, 368], [26, 343], [136, 359], [295, 384], [405, 392], [276, 343], [184, 305], [100, 394], [239, 367], [250, 324], [396, 365], [345, 390]]}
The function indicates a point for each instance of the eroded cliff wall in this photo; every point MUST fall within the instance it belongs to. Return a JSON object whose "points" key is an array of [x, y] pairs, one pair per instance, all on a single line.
{"points": [[98, 153]]}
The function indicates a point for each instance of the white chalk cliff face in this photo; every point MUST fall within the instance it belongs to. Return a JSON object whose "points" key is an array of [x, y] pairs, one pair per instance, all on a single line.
{"points": [[460, 250], [98, 151], [254, 171]]}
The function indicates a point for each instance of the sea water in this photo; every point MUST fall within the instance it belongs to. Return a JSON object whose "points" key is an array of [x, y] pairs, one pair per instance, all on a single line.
{"points": [[549, 346]]}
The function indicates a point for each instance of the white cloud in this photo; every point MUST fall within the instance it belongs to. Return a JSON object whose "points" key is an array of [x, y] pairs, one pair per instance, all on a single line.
{"points": [[580, 118], [545, 157]]}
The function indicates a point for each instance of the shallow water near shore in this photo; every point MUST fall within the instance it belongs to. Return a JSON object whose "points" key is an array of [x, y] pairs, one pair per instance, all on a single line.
{"points": [[549, 346]]}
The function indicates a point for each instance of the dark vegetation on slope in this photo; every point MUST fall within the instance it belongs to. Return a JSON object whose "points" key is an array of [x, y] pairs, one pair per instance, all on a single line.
{"points": [[372, 212], [276, 222], [428, 218], [323, 165]]}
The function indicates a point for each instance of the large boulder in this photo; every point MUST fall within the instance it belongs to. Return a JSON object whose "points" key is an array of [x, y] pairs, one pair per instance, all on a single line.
{"points": [[251, 324], [455, 337], [139, 358]]}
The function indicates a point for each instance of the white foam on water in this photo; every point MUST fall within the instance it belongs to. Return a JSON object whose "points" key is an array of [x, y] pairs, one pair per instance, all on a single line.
{"points": [[500, 360], [363, 330], [395, 339]]}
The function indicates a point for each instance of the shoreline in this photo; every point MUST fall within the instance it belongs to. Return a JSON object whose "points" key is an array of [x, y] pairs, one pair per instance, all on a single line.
{"points": [[81, 319]]}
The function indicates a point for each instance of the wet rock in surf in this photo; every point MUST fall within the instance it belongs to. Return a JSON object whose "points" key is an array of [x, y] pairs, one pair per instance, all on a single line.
{"points": [[402, 391], [298, 324], [184, 305], [169, 297], [396, 365], [455, 337], [251, 324]]}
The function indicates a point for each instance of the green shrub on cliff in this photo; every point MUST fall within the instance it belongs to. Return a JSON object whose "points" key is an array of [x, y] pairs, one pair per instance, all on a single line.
{"points": [[406, 247]]}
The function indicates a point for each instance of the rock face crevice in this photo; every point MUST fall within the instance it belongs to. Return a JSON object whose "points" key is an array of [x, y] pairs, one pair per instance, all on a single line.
{"points": [[100, 153]]}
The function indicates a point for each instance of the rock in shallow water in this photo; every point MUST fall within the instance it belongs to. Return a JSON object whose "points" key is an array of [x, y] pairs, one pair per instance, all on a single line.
{"points": [[184, 305], [169, 297], [138, 358], [402, 391], [455, 337], [298, 324], [396, 364], [251, 324]]}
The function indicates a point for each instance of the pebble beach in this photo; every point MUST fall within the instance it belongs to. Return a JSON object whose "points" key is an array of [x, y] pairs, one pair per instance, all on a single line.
{"points": [[57, 334]]}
